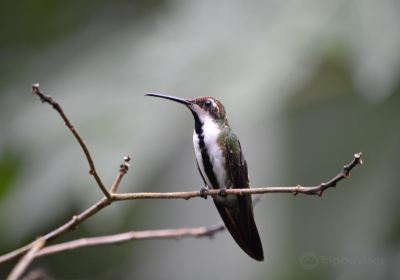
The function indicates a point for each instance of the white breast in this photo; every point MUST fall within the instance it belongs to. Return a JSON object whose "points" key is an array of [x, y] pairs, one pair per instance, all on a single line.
{"points": [[211, 133]]}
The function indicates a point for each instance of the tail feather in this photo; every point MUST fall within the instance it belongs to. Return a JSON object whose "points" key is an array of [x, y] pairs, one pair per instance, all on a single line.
{"points": [[240, 223]]}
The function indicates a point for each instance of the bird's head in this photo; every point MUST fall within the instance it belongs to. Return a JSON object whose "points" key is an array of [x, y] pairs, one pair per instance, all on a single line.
{"points": [[202, 107]]}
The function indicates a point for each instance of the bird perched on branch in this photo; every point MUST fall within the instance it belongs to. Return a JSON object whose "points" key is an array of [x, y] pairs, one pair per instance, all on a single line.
{"points": [[222, 165]]}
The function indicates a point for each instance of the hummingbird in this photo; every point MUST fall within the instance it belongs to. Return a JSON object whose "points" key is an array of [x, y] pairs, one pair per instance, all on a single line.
{"points": [[221, 164]]}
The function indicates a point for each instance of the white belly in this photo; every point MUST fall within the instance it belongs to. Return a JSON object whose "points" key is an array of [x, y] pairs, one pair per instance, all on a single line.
{"points": [[211, 133]]}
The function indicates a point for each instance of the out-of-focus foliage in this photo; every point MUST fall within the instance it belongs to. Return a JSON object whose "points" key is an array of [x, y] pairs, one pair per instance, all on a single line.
{"points": [[9, 166], [305, 84], [29, 27]]}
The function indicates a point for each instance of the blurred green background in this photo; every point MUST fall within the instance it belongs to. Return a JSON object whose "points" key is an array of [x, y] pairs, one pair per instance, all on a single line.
{"points": [[305, 84]]}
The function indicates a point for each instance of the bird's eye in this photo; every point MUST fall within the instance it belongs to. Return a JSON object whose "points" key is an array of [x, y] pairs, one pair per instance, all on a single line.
{"points": [[208, 103]]}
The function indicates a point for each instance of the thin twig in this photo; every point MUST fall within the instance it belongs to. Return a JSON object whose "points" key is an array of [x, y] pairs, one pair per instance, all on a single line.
{"points": [[92, 171], [123, 169], [21, 266], [132, 235]]}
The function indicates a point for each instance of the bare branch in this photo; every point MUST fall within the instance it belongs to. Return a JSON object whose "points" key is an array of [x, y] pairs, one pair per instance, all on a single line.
{"points": [[75, 220], [104, 202], [92, 171], [21, 266], [311, 190], [123, 169], [16, 253], [184, 232], [132, 235]]}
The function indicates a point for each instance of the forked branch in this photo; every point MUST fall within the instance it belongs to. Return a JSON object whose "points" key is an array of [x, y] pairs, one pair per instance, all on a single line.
{"points": [[190, 232]]}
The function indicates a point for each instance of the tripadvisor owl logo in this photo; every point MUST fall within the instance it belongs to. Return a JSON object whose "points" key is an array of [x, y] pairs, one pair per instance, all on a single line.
{"points": [[309, 260]]}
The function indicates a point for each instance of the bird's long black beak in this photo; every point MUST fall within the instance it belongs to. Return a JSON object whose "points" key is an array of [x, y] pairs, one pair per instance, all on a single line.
{"points": [[173, 98]]}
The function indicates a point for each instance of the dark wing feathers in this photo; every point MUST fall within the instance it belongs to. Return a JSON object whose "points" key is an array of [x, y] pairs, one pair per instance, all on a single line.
{"points": [[236, 163], [239, 220]]}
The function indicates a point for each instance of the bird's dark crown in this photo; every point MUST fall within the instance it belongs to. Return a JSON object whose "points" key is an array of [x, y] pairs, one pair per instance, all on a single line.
{"points": [[210, 105]]}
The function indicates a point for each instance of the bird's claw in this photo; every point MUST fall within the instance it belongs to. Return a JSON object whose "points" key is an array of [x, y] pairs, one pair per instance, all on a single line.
{"points": [[203, 192], [222, 192]]}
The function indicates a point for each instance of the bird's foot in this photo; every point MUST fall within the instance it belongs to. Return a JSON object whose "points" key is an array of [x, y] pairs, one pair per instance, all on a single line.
{"points": [[222, 192], [203, 192]]}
